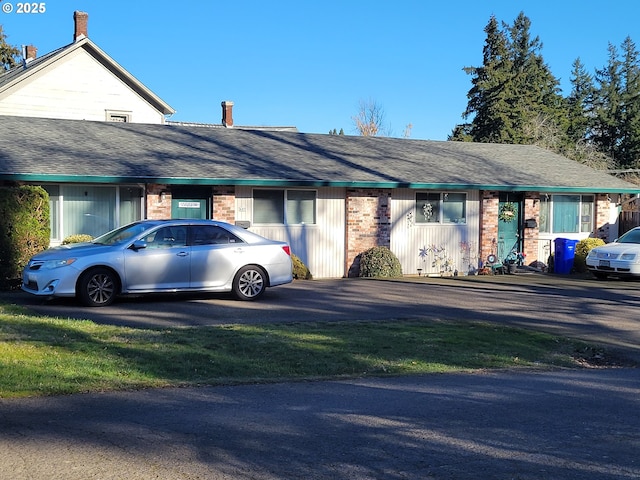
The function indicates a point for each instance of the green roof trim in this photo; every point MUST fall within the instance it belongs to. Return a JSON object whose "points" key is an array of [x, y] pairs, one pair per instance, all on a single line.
{"points": [[44, 178]]}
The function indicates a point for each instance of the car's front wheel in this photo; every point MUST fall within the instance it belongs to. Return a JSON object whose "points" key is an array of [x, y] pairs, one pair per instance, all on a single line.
{"points": [[250, 282], [97, 287]]}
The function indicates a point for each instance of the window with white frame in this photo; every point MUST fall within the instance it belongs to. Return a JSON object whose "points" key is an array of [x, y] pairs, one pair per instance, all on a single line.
{"points": [[284, 207], [118, 116], [566, 213], [441, 207]]}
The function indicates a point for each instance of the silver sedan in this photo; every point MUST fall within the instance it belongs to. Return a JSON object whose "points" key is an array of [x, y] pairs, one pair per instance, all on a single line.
{"points": [[161, 256]]}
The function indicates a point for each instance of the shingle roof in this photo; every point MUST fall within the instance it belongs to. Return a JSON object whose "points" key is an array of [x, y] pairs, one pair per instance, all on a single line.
{"points": [[37, 149]]}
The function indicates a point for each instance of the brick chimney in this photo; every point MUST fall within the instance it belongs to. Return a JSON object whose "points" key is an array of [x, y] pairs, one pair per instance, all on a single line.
{"points": [[30, 53], [227, 113], [80, 20]]}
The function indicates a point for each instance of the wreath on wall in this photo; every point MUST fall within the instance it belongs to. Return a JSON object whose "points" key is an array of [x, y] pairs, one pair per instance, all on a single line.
{"points": [[507, 212]]}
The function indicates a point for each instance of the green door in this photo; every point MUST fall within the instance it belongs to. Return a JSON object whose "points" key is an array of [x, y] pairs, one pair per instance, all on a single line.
{"points": [[509, 222], [189, 208]]}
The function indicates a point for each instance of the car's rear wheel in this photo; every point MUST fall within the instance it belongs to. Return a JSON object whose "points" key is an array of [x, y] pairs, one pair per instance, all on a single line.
{"points": [[97, 287], [250, 283]]}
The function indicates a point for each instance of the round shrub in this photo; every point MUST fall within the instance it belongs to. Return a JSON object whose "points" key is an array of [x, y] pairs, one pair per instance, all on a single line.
{"points": [[583, 247], [300, 270], [78, 238], [379, 262]]}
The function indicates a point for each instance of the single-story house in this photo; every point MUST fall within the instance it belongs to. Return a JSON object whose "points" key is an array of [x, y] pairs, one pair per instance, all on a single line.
{"points": [[103, 146], [439, 206]]}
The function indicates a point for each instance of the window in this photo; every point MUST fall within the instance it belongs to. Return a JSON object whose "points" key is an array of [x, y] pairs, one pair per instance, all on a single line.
{"points": [[441, 207], [212, 235], [268, 206], [92, 210], [118, 116], [167, 237], [54, 210], [566, 214], [301, 206], [290, 207]]}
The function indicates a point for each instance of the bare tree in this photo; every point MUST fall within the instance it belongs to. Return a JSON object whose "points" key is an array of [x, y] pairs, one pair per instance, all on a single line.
{"points": [[370, 119], [543, 132]]}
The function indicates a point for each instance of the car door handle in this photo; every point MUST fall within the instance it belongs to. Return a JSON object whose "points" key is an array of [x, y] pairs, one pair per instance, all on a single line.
{"points": [[182, 254]]}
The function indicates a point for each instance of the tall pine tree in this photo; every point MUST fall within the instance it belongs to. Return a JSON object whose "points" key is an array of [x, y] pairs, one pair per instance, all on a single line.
{"points": [[487, 99], [512, 90], [579, 102], [629, 150], [607, 106]]}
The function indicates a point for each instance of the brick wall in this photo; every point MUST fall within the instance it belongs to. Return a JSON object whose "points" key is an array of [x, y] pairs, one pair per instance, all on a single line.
{"points": [[488, 224], [224, 203], [158, 204], [368, 217], [530, 242], [603, 212]]}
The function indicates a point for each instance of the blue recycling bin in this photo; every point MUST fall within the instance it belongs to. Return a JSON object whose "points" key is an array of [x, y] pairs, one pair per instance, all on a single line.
{"points": [[565, 252]]}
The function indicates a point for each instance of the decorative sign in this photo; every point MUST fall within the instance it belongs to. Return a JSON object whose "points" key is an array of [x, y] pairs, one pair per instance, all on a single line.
{"points": [[188, 204]]}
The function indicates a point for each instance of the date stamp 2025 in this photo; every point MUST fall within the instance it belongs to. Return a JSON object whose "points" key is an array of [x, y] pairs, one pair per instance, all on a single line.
{"points": [[30, 8]]}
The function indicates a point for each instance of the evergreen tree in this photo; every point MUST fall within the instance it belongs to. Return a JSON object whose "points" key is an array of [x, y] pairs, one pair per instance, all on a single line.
{"points": [[607, 106], [579, 103], [487, 98], [629, 150], [513, 89], [8, 54], [616, 107]]}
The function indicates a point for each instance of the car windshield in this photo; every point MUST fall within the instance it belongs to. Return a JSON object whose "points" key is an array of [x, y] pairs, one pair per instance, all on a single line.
{"points": [[632, 236], [122, 234]]}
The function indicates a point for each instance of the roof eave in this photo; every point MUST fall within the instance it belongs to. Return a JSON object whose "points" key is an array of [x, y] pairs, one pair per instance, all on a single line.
{"points": [[57, 178]]}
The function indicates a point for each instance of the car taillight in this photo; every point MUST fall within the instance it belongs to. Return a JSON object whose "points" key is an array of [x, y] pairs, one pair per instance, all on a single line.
{"points": [[287, 249]]}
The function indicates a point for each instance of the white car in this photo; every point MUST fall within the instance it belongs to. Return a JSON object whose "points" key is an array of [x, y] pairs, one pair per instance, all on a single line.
{"points": [[620, 258], [161, 256]]}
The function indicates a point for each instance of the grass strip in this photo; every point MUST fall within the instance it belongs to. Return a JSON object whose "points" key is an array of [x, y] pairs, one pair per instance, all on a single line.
{"points": [[51, 356]]}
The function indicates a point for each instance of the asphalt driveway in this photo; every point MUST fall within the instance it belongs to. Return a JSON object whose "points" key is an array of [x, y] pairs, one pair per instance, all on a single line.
{"points": [[564, 425]]}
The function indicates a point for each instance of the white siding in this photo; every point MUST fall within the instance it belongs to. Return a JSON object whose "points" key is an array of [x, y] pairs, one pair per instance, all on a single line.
{"points": [[408, 237], [321, 246], [78, 88]]}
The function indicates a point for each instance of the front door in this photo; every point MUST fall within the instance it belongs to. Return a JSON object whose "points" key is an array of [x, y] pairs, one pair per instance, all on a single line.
{"points": [[195, 208], [509, 223]]}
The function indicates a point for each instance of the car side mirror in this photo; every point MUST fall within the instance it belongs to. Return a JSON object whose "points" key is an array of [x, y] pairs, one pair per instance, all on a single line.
{"points": [[138, 245]]}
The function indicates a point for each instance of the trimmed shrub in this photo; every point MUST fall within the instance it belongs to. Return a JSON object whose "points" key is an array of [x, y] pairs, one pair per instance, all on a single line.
{"points": [[24, 230], [379, 262], [78, 238], [583, 247], [300, 270]]}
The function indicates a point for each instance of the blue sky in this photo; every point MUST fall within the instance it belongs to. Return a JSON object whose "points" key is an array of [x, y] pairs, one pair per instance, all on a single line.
{"points": [[308, 63]]}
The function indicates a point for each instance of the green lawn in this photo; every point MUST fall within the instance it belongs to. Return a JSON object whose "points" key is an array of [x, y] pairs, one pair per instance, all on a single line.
{"points": [[50, 356]]}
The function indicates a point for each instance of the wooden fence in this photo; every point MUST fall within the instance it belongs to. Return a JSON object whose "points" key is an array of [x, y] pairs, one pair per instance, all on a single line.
{"points": [[627, 220]]}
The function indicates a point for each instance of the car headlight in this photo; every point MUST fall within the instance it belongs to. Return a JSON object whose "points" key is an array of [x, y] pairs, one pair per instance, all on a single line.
{"points": [[628, 256], [63, 262]]}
